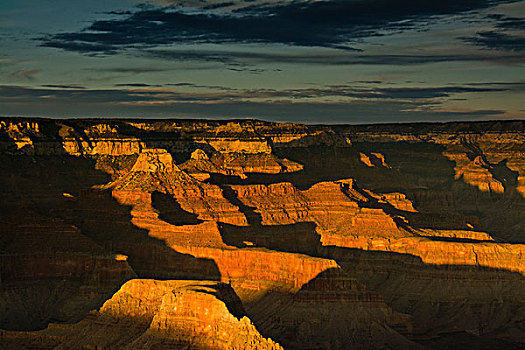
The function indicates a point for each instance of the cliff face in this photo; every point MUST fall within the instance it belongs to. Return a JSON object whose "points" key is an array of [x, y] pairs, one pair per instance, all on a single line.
{"points": [[147, 314], [326, 237], [478, 168], [343, 218]]}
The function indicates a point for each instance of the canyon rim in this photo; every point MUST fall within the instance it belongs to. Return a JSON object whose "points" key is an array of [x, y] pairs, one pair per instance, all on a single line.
{"points": [[246, 234], [262, 174]]}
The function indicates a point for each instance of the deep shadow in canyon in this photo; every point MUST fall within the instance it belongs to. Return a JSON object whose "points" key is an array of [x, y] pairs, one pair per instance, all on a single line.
{"points": [[484, 302], [44, 195], [395, 277], [421, 172]]}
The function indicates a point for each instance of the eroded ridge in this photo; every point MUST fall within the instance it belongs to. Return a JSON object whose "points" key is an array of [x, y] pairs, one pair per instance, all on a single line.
{"points": [[246, 234], [147, 314]]}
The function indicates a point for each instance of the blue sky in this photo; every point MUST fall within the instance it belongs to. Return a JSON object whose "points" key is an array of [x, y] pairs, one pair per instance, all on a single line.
{"points": [[353, 61]]}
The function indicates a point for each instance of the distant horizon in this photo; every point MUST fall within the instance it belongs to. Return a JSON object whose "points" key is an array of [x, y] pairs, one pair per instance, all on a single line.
{"points": [[211, 119]]}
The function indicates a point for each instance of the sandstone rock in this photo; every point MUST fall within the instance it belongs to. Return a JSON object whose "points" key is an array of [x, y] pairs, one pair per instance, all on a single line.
{"points": [[330, 236], [476, 173], [49, 270], [153, 160], [342, 221], [147, 314], [199, 154], [366, 159], [334, 311], [237, 164], [247, 269]]}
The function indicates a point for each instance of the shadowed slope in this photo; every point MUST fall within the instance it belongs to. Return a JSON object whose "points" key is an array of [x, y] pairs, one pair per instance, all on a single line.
{"points": [[147, 314], [416, 262], [170, 210], [442, 292], [50, 271]]}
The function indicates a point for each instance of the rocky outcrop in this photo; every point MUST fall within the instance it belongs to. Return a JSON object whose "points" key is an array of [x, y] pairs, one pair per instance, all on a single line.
{"points": [[476, 172], [234, 145], [328, 204], [247, 270], [155, 170], [312, 236], [200, 165], [236, 149], [49, 270], [344, 218], [451, 158], [154, 160], [147, 314], [331, 312]]}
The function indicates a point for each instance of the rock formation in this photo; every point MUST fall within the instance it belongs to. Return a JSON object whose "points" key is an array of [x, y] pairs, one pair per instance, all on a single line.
{"points": [[247, 234], [147, 314]]}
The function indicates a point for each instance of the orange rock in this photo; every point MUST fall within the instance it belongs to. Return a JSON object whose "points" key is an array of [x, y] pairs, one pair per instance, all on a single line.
{"points": [[476, 173], [153, 160], [246, 269], [146, 314], [342, 221], [317, 260]]}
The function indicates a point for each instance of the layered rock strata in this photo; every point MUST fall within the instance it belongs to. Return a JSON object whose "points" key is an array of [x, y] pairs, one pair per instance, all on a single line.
{"points": [[329, 236], [50, 271], [252, 269], [147, 314]]}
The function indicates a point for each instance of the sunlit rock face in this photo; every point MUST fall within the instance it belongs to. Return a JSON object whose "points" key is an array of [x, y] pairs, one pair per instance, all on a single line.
{"points": [[147, 314], [255, 235]]}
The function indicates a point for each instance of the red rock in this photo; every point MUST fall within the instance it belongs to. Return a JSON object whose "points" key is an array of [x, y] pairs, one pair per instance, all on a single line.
{"points": [[317, 260], [148, 313]]}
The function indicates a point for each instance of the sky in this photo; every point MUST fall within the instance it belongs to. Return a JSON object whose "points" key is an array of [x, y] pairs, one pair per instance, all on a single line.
{"points": [[334, 61]]}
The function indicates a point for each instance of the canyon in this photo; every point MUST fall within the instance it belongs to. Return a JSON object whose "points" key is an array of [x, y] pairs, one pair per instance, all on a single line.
{"points": [[244, 234]]}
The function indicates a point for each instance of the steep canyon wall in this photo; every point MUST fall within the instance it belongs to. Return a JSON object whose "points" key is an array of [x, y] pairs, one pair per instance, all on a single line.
{"points": [[248, 234]]}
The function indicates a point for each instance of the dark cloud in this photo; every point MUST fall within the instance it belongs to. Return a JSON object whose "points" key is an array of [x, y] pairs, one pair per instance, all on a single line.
{"points": [[498, 41], [428, 93], [249, 70], [245, 60], [507, 23], [304, 112], [515, 87], [507, 35], [332, 24], [59, 86], [79, 46], [218, 5], [375, 93], [197, 86], [143, 94], [369, 81], [130, 70], [20, 93], [119, 13], [181, 84], [135, 85]]}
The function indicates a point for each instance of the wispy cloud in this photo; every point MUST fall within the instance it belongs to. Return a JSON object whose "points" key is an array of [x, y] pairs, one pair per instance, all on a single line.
{"points": [[25, 74], [62, 86], [128, 70], [507, 34], [136, 85], [507, 23], [247, 59], [305, 112], [137, 94], [498, 41]]}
